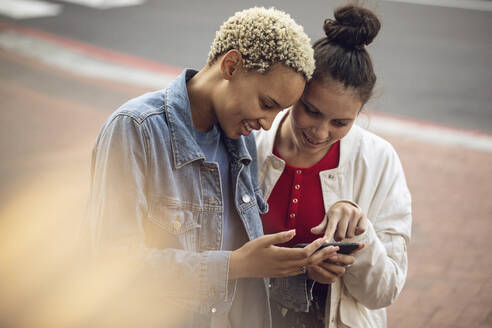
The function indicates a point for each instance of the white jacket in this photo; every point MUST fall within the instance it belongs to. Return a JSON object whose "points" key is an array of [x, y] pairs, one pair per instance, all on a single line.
{"points": [[369, 174]]}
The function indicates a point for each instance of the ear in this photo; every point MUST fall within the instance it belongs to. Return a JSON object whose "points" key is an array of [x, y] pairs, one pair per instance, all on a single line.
{"points": [[231, 64]]}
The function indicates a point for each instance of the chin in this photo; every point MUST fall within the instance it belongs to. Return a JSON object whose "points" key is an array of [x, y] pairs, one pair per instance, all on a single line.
{"points": [[235, 135]]}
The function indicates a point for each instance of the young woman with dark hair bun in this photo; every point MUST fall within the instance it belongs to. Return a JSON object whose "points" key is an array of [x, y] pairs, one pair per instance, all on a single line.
{"points": [[323, 174]]}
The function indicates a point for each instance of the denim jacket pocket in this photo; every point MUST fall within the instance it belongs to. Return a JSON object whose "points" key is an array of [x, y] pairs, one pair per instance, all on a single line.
{"points": [[171, 225]]}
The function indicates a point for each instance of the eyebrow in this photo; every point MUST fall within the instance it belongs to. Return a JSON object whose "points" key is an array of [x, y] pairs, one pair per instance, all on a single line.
{"points": [[312, 106]]}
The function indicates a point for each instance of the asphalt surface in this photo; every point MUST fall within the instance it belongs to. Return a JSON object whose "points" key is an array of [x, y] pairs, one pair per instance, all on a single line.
{"points": [[51, 117]]}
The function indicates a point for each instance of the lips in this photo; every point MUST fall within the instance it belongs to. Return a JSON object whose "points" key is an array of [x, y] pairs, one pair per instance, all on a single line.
{"points": [[247, 126], [312, 142]]}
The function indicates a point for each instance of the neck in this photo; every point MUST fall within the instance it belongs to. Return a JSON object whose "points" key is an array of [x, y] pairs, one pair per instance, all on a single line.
{"points": [[200, 94]]}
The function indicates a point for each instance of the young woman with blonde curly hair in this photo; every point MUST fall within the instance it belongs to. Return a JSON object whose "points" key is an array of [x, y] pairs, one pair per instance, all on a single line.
{"points": [[174, 178]]}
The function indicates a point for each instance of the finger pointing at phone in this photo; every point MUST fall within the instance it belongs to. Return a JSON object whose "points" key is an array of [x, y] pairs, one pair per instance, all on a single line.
{"points": [[343, 220]]}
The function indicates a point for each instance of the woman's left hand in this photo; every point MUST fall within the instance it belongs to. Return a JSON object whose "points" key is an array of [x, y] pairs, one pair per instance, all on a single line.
{"points": [[329, 271], [343, 220]]}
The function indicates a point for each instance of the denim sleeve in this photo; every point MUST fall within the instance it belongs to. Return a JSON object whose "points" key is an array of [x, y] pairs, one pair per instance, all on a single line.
{"points": [[114, 229]]}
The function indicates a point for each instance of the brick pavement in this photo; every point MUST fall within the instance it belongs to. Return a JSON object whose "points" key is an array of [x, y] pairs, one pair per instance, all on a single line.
{"points": [[449, 280]]}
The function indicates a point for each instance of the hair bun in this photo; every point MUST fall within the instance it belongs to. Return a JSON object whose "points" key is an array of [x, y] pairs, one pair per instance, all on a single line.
{"points": [[353, 27]]}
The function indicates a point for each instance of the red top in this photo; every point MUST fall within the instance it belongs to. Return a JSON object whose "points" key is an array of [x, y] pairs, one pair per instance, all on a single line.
{"points": [[296, 201]]}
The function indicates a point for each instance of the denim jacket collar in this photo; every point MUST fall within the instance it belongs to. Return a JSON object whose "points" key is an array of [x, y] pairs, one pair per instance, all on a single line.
{"points": [[237, 150], [178, 113]]}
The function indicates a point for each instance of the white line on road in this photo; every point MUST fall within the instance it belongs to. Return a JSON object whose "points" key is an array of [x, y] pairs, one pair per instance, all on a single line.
{"points": [[79, 63], [72, 60], [20, 9], [427, 132], [481, 5], [105, 4]]}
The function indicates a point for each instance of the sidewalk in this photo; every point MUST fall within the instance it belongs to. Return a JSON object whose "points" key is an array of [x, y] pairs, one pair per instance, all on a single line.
{"points": [[449, 280]]}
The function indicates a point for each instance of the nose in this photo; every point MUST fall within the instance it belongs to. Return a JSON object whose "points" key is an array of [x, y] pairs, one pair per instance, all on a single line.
{"points": [[321, 131], [267, 121]]}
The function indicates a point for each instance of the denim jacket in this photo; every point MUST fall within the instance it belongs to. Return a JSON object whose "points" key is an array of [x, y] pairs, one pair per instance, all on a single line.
{"points": [[152, 191]]}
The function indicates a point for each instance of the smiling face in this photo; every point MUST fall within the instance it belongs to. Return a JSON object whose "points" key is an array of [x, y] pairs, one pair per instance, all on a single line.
{"points": [[324, 114], [250, 100]]}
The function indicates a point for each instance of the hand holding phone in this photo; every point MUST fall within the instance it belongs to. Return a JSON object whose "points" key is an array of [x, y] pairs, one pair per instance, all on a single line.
{"points": [[344, 248]]}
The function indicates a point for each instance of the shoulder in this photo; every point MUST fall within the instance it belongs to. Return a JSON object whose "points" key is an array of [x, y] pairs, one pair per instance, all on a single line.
{"points": [[372, 145], [369, 153], [127, 122], [142, 107]]}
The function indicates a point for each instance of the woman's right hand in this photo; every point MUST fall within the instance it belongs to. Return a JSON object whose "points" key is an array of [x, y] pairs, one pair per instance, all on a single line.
{"points": [[333, 267], [260, 257], [329, 271]]}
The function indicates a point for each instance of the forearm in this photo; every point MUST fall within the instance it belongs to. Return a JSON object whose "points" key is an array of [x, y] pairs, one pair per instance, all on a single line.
{"points": [[378, 274]]}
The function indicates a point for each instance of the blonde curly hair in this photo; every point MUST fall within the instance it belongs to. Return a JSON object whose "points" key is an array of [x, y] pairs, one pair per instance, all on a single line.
{"points": [[265, 37]]}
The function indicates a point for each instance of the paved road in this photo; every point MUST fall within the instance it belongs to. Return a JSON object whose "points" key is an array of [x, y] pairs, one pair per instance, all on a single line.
{"points": [[433, 62]]}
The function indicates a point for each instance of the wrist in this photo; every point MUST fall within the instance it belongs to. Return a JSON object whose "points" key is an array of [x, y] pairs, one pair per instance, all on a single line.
{"points": [[346, 201], [234, 265]]}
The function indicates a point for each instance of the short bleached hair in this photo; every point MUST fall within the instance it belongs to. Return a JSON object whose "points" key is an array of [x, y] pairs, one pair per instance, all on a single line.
{"points": [[265, 37]]}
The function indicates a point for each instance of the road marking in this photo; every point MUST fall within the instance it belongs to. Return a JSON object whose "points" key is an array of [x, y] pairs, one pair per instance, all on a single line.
{"points": [[21, 9], [425, 131], [481, 5], [87, 60], [105, 4], [75, 61]]}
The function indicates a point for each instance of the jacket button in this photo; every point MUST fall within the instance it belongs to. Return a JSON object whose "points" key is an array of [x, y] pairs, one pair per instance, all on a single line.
{"points": [[331, 176], [246, 198], [176, 226], [276, 165]]}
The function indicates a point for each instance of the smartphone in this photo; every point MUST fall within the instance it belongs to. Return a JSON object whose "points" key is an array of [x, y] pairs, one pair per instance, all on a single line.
{"points": [[344, 248]]}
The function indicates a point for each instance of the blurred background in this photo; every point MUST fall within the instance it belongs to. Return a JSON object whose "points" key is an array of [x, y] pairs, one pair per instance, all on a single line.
{"points": [[65, 66]]}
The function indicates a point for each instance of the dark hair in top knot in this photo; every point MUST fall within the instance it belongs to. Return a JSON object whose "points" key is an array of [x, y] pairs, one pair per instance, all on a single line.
{"points": [[353, 27], [341, 55]]}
